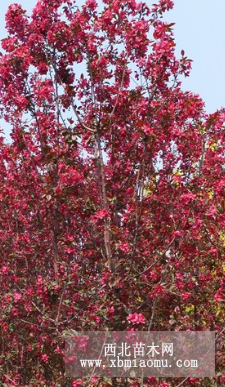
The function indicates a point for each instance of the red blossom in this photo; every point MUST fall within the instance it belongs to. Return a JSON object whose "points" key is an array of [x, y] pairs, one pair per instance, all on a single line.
{"points": [[111, 188], [136, 318], [17, 296]]}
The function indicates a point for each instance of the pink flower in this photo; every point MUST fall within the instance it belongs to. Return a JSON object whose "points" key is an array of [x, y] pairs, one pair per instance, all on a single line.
{"points": [[185, 295], [76, 383], [164, 384], [93, 380], [136, 318], [44, 358], [212, 211], [219, 295], [5, 269], [17, 296], [158, 290], [39, 280], [124, 247], [101, 214], [178, 233], [148, 130]]}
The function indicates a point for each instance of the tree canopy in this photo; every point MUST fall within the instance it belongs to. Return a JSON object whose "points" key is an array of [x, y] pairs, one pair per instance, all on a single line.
{"points": [[111, 189]]}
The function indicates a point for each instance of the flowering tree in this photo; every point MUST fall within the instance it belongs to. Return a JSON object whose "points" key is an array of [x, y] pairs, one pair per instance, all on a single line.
{"points": [[112, 189]]}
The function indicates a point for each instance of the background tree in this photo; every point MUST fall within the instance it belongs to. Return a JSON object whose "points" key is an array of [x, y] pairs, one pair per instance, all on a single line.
{"points": [[112, 208]]}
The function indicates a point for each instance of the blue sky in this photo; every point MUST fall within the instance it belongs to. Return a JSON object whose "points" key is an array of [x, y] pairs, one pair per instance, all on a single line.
{"points": [[200, 31]]}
